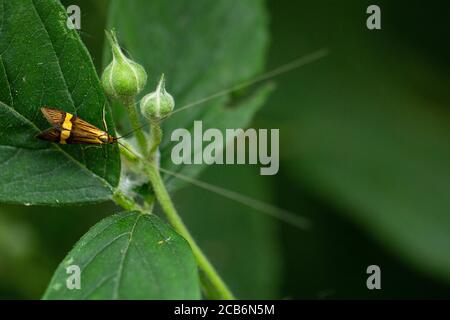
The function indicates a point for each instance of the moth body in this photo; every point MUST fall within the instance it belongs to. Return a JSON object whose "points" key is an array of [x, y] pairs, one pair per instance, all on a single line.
{"points": [[69, 129]]}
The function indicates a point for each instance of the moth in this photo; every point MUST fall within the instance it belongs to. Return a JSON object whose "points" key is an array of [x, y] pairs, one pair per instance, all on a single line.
{"points": [[70, 129]]}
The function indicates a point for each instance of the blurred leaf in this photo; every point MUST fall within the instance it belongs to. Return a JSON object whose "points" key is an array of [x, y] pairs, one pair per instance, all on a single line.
{"points": [[35, 229], [366, 129], [242, 243], [43, 63], [20, 248], [129, 256], [329, 261], [203, 47]]}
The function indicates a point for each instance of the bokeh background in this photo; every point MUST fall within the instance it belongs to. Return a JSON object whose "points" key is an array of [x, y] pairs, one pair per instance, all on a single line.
{"points": [[365, 156]]}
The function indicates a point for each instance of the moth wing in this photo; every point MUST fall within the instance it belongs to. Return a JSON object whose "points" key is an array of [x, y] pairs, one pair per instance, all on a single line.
{"points": [[84, 125], [84, 132], [54, 117], [51, 134]]}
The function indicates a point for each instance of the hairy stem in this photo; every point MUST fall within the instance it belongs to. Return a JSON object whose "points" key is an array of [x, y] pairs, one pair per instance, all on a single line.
{"points": [[125, 150], [213, 285], [137, 127], [125, 202], [156, 134]]}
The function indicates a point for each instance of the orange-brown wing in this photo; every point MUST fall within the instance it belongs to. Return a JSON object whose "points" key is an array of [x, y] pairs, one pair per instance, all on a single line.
{"points": [[54, 116], [84, 132], [51, 134]]}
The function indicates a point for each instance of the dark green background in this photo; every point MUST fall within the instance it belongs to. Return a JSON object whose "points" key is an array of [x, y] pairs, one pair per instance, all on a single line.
{"points": [[362, 78]]}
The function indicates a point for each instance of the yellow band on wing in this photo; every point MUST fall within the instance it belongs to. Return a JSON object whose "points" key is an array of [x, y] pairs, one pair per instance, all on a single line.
{"points": [[66, 126], [65, 134]]}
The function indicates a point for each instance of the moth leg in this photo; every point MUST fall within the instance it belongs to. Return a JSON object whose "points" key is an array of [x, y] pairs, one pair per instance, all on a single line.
{"points": [[92, 146], [101, 146]]}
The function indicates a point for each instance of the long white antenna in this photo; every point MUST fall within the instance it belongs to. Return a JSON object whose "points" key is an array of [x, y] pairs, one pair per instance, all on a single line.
{"points": [[271, 210], [280, 214], [297, 63]]}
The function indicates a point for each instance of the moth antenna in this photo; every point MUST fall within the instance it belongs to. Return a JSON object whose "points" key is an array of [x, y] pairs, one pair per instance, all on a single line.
{"points": [[271, 210], [132, 131], [282, 69], [128, 149], [294, 64]]}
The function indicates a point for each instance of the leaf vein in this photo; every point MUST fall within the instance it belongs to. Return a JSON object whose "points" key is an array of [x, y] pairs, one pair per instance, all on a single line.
{"points": [[122, 261]]}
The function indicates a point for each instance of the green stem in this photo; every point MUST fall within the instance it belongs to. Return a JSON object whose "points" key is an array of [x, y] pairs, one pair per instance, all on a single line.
{"points": [[125, 202], [156, 134], [213, 285], [137, 127], [125, 150]]}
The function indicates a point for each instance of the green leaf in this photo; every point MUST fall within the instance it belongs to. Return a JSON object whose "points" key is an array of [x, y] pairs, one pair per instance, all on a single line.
{"points": [[203, 47], [129, 256], [43, 63]]}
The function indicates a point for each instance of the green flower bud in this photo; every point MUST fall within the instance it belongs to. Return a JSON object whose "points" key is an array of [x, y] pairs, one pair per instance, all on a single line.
{"points": [[158, 104], [122, 78]]}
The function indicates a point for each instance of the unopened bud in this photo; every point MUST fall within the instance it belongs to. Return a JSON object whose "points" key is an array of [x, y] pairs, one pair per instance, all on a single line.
{"points": [[123, 78], [158, 104]]}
